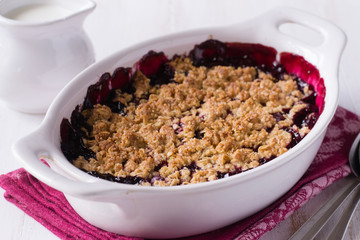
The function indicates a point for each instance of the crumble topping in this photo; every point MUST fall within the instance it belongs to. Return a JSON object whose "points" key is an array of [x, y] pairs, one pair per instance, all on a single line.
{"points": [[204, 125]]}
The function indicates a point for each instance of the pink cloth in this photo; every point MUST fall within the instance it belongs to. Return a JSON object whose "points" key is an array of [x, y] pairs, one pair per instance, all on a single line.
{"points": [[49, 206]]}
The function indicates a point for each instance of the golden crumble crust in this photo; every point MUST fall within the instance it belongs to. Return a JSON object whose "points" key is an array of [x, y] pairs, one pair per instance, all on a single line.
{"points": [[205, 124]]}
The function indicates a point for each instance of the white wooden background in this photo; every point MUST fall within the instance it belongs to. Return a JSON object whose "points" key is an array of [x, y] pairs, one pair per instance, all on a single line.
{"points": [[116, 24]]}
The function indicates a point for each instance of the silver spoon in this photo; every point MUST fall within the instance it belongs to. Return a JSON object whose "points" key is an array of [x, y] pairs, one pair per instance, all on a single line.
{"points": [[348, 192]]}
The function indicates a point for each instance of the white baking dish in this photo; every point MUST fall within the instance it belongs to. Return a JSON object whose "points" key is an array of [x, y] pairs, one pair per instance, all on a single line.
{"points": [[166, 212]]}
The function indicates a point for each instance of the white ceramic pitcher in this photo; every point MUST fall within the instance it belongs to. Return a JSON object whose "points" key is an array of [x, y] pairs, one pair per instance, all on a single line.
{"points": [[42, 47]]}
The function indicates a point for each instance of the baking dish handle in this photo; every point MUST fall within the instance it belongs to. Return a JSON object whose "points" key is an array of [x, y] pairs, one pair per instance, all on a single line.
{"points": [[34, 147], [333, 38]]}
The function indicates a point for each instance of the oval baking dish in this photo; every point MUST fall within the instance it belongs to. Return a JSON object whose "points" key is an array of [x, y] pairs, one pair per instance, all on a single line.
{"points": [[178, 211]]}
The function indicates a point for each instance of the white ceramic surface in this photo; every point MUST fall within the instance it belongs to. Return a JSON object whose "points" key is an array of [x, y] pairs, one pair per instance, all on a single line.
{"points": [[41, 57], [38, 13], [140, 211]]}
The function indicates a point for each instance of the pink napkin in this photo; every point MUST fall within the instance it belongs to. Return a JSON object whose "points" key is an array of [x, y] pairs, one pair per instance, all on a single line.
{"points": [[49, 206]]}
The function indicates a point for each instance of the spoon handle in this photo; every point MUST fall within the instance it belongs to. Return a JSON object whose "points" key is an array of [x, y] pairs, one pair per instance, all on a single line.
{"points": [[339, 230], [316, 222]]}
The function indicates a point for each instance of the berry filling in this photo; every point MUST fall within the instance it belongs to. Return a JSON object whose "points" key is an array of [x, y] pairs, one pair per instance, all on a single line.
{"points": [[155, 66]]}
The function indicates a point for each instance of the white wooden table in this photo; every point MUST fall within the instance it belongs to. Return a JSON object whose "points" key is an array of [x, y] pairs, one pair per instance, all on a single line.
{"points": [[116, 24]]}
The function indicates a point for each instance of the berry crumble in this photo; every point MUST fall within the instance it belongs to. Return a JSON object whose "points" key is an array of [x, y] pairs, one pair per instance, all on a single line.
{"points": [[220, 110]]}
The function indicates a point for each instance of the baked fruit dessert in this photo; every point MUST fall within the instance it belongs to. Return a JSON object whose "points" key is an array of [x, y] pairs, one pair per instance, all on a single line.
{"points": [[221, 109]]}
